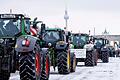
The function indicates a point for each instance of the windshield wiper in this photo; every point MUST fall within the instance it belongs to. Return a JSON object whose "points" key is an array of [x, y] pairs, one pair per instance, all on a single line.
{"points": [[18, 34]]}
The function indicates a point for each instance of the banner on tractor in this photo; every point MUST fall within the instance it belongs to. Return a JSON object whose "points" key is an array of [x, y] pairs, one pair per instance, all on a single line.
{"points": [[80, 53]]}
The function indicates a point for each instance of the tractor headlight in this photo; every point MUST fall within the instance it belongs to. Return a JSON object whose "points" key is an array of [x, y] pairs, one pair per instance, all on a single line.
{"points": [[26, 43], [1, 40], [105, 47], [60, 43], [49, 44]]}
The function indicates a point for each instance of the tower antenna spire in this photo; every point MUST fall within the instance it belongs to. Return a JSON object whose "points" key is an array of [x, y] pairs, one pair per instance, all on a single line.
{"points": [[66, 17], [10, 11]]}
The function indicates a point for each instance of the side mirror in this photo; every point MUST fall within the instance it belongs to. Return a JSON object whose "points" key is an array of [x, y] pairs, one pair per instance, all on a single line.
{"points": [[95, 47], [43, 28], [69, 33], [71, 42]]}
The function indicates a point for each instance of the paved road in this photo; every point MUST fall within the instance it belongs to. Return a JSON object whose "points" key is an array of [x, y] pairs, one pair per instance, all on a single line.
{"points": [[103, 71]]}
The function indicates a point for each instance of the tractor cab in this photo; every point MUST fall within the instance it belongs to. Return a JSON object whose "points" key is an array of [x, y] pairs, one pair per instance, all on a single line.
{"points": [[11, 24], [101, 46], [100, 42], [79, 40], [52, 36]]}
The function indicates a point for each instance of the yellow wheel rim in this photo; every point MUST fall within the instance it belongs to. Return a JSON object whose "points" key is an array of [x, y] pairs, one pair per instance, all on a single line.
{"points": [[74, 63], [68, 60]]}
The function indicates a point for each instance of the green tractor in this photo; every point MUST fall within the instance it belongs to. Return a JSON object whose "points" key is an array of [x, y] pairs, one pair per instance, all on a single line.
{"points": [[57, 40], [84, 49], [34, 60], [10, 28], [18, 49], [102, 49]]}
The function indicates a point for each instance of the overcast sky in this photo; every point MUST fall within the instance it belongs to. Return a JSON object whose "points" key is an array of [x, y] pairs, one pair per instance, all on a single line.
{"points": [[84, 15]]}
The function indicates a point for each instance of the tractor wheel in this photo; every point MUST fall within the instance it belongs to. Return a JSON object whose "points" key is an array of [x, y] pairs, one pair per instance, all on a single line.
{"points": [[95, 57], [73, 62], [13, 62], [117, 53], [4, 75], [89, 61], [30, 65], [63, 62], [105, 57], [46, 67]]}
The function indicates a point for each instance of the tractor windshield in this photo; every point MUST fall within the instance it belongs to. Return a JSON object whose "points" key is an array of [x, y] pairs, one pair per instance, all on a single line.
{"points": [[51, 36], [80, 39], [9, 27], [76, 39], [83, 39], [98, 42]]}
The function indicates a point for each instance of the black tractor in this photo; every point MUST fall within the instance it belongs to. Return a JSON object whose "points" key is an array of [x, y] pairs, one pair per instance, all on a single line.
{"points": [[58, 42], [102, 49], [84, 49]]}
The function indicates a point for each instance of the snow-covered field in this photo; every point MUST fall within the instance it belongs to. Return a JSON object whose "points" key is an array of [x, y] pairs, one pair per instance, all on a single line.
{"points": [[103, 71]]}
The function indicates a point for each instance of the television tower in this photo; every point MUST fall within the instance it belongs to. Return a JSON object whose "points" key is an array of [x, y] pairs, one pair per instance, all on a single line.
{"points": [[66, 17]]}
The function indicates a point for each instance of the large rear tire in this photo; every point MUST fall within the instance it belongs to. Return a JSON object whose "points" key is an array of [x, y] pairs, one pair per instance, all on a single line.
{"points": [[46, 66], [95, 57], [63, 62], [30, 65], [4, 75], [117, 53], [89, 61]]}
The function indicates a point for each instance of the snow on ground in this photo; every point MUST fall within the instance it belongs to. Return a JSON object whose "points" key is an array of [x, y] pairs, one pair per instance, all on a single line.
{"points": [[15, 76], [103, 71]]}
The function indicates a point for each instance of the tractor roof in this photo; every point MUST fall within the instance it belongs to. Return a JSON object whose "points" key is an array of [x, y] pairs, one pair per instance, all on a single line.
{"points": [[80, 34], [54, 29], [99, 38], [12, 16]]}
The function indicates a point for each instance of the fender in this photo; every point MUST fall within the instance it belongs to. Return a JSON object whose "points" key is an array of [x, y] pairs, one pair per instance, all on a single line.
{"points": [[104, 49], [61, 45], [20, 48], [44, 50], [89, 47]]}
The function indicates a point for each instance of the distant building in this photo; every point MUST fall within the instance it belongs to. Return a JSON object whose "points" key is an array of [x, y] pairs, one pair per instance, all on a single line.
{"points": [[112, 38], [105, 32]]}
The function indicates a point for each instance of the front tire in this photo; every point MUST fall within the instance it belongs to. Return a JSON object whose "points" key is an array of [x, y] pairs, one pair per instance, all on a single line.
{"points": [[4, 73], [46, 66]]}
